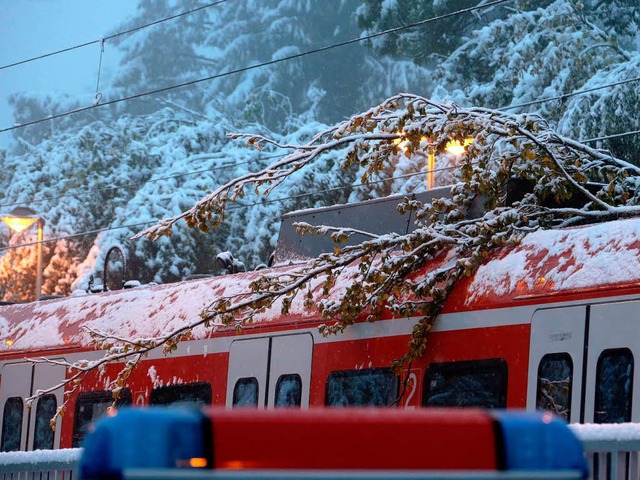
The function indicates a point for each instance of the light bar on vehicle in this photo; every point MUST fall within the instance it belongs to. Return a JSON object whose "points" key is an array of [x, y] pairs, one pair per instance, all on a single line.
{"points": [[330, 439], [146, 438]]}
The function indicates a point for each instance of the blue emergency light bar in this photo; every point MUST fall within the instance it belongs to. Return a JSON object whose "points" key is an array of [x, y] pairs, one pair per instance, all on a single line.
{"points": [[330, 439]]}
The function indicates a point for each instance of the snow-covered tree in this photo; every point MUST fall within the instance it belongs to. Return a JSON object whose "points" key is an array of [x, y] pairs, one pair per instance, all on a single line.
{"points": [[560, 182], [425, 44], [548, 50], [138, 161]]}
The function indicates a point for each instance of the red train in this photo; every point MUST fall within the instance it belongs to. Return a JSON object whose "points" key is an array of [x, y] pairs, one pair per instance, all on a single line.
{"points": [[552, 324]]}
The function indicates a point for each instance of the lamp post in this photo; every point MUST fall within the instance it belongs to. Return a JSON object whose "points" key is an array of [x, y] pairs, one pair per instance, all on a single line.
{"points": [[453, 146], [19, 220]]}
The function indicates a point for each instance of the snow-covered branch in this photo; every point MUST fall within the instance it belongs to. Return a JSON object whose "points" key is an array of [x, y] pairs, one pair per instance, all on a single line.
{"points": [[523, 175]]}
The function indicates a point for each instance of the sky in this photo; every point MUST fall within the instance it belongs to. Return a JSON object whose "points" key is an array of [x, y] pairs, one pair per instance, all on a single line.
{"points": [[30, 28]]}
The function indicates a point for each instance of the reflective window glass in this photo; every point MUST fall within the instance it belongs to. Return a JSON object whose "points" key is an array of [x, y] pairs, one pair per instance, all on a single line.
{"points": [[367, 387], [198, 393], [614, 386], [90, 406], [44, 434], [475, 383], [555, 380], [288, 391], [245, 392], [12, 424]]}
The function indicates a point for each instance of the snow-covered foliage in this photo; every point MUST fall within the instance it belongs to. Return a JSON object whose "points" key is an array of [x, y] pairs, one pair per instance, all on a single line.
{"points": [[133, 163], [526, 175], [521, 174], [549, 51]]}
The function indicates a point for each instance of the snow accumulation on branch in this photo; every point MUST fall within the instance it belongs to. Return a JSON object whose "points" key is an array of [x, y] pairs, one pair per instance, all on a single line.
{"points": [[524, 175]]}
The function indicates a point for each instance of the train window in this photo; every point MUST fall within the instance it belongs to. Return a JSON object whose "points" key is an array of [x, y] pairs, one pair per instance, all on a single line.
{"points": [[12, 424], [245, 392], [369, 387], [90, 406], [288, 391], [476, 383], [555, 381], [198, 393], [44, 434], [614, 386]]}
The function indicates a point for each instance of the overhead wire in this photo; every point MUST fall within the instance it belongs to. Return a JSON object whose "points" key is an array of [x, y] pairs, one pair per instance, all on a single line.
{"points": [[81, 191], [262, 202], [89, 190], [376, 34], [347, 42], [288, 58], [112, 36], [612, 136], [569, 95], [236, 207], [258, 65]]}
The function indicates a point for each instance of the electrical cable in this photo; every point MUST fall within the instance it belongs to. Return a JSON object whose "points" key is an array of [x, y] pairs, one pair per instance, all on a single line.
{"points": [[568, 95], [237, 207], [321, 49], [275, 200], [88, 191], [256, 66], [109, 37], [612, 136]]}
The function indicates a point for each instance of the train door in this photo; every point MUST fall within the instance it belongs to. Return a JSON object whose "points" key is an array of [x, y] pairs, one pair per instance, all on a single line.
{"points": [[582, 362], [26, 428], [614, 346], [556, 360], [270, 371]]}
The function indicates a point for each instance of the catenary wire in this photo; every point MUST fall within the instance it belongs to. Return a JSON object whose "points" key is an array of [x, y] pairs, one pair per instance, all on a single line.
{"points": [[86, 191], [274, 200], [560, 97], [374, 35], [79, 192], [256, 66], [109, 37], [568, 95], [612, 136], [237, 207], [347, 42]]}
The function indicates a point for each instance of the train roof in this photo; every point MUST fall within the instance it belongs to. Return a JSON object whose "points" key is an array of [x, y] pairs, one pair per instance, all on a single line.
{"points": [[588, 261]]}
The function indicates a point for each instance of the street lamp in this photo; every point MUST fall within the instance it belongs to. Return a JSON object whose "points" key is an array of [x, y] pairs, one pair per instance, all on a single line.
{"points": [[453, 146], [19, 220]]}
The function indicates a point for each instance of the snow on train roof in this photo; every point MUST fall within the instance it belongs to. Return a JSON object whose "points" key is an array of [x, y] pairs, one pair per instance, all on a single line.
{"points": [[574, 259], [133, 313], [552, 261]]}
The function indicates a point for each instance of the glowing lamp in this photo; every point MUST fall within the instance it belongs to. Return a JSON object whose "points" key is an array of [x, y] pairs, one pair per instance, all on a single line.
{"points": [[454, 147], [458, 148], [18, 224], [401, 143], [19, 220]]}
